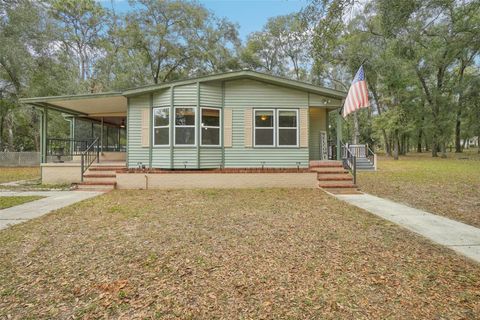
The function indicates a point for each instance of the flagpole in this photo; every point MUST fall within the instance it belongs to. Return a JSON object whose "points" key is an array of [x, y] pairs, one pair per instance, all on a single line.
{"points": [[340, 123]]}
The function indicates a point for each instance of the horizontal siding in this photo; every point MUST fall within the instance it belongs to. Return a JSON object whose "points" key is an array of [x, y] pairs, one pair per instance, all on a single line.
{"points": [[185, 154], [211, 95], [240, 157], [161, 98], [250, 93], [161, 157], [136, 153], [185, 95], [210, 157], [317, 100]]}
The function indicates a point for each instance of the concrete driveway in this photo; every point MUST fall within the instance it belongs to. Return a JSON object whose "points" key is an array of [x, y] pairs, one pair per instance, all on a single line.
{"points": [[53, 200]]}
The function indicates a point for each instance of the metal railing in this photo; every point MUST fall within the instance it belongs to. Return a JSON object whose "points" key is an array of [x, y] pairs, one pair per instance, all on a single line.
{"points": [[66, 148], [88, 156], [349, 160], [372, 156]]}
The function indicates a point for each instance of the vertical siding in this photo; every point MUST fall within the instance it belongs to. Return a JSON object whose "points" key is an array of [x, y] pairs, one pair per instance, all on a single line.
{"points": [[318, 122], [186, 95], [211, 94], [135, 152], [161, 98]]}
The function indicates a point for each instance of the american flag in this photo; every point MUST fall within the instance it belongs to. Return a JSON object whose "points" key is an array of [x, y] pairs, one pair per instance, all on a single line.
{"points": [[357, 96]]}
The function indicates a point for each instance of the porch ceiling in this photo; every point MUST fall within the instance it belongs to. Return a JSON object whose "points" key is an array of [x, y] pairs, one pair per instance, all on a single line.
{"points": [[111, 104]]}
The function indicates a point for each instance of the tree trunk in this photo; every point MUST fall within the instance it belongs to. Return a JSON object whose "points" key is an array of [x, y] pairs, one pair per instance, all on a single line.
{"points": [[388, 149], [434, 146], [395, 145], [458, 145], [419, 141], [444, 150]]}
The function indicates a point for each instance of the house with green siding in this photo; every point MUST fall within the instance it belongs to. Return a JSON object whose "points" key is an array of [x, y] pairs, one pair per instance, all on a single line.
{"points": [[233, 120]]}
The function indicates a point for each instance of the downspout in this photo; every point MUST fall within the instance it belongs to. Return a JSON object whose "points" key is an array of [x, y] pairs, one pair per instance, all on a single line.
{"points": [[172, 123], [127, 131], [223, 126], [150, 132], [198, 125]]}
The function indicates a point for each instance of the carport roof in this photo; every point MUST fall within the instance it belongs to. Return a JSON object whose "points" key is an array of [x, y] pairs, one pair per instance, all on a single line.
{"points": [[93, 105]]}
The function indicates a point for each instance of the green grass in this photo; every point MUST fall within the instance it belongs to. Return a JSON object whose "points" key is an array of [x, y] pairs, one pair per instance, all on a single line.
{"points": [[449, 187], [7, 202], [8, 174], [228, 254]]}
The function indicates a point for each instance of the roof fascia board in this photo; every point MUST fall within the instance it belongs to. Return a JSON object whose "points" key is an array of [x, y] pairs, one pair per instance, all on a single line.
{"points": [[56, 108], [230, 76], [72, 97]]}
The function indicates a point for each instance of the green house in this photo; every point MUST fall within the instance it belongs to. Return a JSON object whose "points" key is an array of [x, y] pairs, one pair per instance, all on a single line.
{"points": [[240, 119]]}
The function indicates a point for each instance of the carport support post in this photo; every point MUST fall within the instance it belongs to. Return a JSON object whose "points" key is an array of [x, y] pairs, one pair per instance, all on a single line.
{"points": [[43, 135], [339, 136], [101, 136]]}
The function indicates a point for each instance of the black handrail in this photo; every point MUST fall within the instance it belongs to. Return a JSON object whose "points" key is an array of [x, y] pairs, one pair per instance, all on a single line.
{"points": [[91, 154], [349, 162], [370, 154]]}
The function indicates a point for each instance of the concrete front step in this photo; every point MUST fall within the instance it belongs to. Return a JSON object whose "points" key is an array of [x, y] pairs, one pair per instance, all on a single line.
{"points": [[336, 184], [334, 177], [105, 168], [342, 191], [335, 170], [96, 185]]}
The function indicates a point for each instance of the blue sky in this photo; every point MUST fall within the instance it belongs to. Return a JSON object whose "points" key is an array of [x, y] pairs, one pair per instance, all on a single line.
{"points": [[251, 15]]}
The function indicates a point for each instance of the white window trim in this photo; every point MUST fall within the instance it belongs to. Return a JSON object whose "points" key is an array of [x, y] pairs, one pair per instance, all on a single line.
{"points": [[160, 127], [274, 114], [212, 127], [175, 126], [288, 128]]}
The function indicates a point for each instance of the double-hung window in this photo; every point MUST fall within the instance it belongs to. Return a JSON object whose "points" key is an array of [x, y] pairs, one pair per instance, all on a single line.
{"points": [[264, 128], [185, 126], [210, 130], [287, 128], [161, 126], [276, 128]]}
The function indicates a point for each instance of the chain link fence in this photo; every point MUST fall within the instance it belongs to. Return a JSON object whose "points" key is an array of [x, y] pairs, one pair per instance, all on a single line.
{"points": [[19, 159]]}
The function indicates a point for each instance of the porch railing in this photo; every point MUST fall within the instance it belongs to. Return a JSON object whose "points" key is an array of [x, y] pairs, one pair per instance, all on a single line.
{"points": [[66, 148], [349, 160], [88, 156]]}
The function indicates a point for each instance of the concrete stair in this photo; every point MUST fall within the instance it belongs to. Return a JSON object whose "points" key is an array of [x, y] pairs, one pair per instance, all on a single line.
{"points": [[101, 177], [364, 164], [332, 177]]}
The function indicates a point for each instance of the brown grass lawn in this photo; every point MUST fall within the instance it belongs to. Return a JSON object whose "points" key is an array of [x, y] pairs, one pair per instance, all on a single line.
{"points": [[8, 174], [227, 254], [449, 187]]}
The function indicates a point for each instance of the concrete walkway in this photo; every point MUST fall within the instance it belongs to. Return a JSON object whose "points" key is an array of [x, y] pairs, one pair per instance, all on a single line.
{"points": [[54, 200], [455, 235]]}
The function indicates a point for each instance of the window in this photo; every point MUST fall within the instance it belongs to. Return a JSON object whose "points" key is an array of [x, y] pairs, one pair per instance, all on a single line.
{"points": [[210, 127], [287, 128], [161, 126], [185, 126], [276, 128], [264, 128]]}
